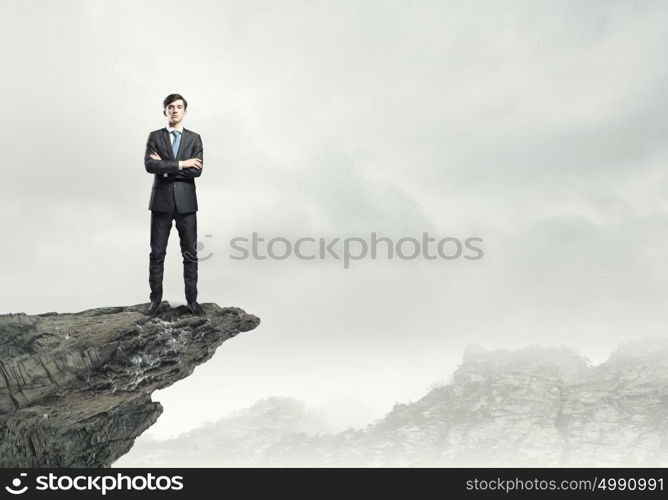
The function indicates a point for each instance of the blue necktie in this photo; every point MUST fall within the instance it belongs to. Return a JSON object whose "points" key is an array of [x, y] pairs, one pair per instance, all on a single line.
{"points": [[177, 140]]}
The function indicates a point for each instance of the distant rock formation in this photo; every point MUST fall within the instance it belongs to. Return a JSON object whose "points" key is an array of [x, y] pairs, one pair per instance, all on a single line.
{"points": [[246, 436], [75, 388], [532, 407]]}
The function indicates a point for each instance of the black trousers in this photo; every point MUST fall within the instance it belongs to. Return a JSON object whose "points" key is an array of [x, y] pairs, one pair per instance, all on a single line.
{"points": [[161, 225]]}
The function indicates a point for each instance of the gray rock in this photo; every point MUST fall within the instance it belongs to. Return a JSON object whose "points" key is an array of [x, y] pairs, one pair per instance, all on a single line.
{"points": [[75, 388]]}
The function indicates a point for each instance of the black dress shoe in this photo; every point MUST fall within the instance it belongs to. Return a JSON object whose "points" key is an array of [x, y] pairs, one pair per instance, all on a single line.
{"points": [[196, 309], [152, 309]]}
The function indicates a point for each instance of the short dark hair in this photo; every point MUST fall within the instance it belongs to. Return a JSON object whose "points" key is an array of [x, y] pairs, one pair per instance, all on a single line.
{"points": [[174, 97]]}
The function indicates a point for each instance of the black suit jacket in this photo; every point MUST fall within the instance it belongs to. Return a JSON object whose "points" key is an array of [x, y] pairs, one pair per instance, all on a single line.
{"points": [[173, 187]]}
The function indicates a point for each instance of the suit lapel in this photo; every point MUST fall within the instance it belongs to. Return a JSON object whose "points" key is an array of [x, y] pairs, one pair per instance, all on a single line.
{"points": [[185, 139], [167, 143]]}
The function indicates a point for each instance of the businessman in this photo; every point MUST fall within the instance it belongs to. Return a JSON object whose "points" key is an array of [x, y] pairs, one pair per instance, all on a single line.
{"points": [[174, 155]]}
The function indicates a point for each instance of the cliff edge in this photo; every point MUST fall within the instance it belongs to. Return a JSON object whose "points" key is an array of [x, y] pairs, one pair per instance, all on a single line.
{"points": [[75, 388]]}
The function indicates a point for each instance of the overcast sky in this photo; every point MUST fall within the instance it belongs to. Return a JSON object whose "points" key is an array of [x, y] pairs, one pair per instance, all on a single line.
{"points": [[538, 126]]}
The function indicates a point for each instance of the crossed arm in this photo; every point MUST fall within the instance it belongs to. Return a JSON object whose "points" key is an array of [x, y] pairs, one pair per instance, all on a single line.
{"points": [[186, 169]]}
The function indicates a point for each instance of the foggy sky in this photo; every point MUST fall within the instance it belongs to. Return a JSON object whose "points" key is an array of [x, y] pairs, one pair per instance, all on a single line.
{"points": [[537, 126]]}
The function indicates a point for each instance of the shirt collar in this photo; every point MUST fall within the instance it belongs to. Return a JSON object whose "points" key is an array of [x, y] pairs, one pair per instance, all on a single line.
{"points": [[170, 128]]}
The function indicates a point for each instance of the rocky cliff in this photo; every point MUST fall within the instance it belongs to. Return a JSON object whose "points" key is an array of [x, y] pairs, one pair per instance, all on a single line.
{"points": [[75, 388]]}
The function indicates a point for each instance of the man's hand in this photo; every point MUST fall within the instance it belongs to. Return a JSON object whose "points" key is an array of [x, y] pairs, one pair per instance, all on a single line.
{"points": [[193, 162], [155, 156]]}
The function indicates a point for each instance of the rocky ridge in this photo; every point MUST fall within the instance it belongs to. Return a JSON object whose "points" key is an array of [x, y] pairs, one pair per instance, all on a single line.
{"points": [[531, 407]]}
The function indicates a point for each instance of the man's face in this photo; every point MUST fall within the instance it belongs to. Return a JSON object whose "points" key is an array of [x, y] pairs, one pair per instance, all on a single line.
{"points": [[175, 111]]}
